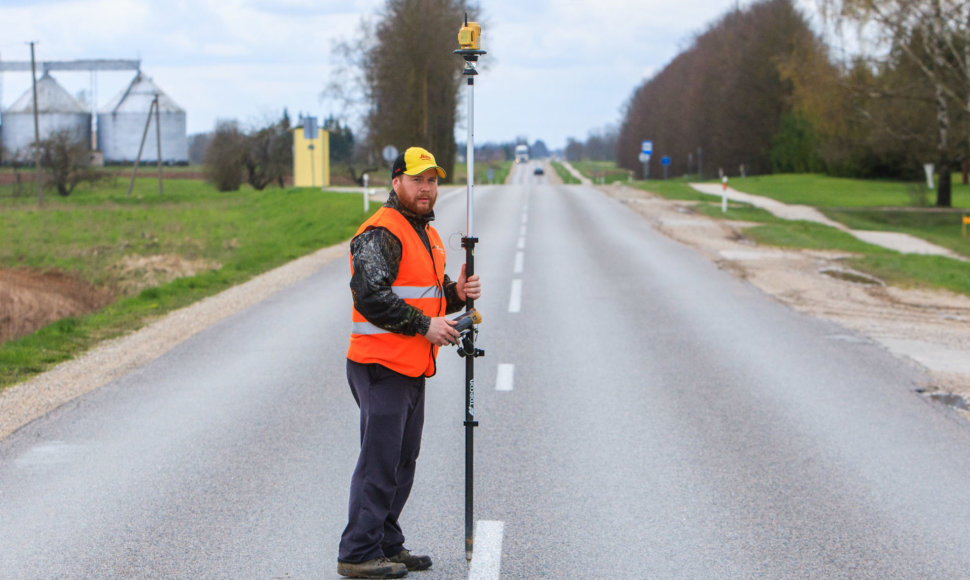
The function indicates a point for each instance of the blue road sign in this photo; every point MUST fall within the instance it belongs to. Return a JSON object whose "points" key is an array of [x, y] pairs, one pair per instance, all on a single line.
{"points": [[646, 147], [665, 160]]}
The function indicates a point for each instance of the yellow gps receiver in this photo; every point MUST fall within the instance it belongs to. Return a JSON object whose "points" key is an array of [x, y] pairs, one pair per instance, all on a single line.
{"points": [[466, 320], [470, 35]]}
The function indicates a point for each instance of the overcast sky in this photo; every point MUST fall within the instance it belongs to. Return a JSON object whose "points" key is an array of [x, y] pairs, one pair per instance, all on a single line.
{"points": [[555, 68]]}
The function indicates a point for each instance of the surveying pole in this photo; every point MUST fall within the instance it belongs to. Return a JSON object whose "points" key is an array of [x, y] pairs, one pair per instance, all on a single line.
{"points": [[469, 38]]}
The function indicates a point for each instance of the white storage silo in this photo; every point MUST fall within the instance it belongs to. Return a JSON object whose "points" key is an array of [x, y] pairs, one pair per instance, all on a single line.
{"points": [[56, 110], [121, 124]]}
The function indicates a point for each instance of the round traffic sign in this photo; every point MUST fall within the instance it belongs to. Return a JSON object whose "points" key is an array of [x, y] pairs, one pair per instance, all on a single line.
{"points": [[389, 153]]}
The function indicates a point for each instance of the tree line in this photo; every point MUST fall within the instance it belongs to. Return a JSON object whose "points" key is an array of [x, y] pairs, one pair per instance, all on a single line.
{"points": [[760, 92], [720, 103]]}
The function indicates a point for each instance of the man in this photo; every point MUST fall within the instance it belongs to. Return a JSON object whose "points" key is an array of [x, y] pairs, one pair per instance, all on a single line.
{"points": [[401, 295]]}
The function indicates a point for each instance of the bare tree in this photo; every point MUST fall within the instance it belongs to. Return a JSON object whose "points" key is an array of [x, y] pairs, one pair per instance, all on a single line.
{"points": [[574, 150], [934, 35], [65, 159], [224, 156], [268, 155], [403, 68]]}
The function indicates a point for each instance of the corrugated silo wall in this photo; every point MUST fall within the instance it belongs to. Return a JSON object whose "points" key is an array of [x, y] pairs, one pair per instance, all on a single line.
{"points": [[119, 135], [18, 129]]}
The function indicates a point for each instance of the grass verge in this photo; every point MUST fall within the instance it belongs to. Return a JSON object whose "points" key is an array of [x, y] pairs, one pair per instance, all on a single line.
{"points": [[88, 234], [823, 191], [500, 172], [602, 172], [564, 174], [897, 269]]}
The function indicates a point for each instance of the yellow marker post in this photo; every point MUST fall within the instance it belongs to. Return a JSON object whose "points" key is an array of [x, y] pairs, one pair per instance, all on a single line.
{"points": [[966, 220], [311, 158]]}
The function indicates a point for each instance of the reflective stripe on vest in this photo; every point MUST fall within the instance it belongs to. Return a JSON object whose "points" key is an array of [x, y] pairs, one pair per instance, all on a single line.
{"points": [[419, 283], [405, 292]]}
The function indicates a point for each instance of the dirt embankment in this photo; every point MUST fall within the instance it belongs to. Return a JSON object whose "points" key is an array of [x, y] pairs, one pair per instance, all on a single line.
{"points": [[30, 300]]}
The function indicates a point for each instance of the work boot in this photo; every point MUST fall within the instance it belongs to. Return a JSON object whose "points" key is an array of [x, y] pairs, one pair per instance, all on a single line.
{"points": [[376, 568], [414, 562]]}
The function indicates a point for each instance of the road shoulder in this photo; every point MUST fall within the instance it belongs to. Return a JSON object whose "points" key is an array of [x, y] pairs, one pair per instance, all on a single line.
{"points": [[925, 327]]}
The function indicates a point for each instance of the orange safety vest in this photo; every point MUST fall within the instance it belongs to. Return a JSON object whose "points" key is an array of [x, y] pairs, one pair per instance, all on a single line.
{"points": [[420, 283]]}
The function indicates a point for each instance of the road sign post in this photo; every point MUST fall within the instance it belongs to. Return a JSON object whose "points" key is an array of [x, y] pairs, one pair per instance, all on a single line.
{"points": [[646, 149], [724, 181], [389, 154]]}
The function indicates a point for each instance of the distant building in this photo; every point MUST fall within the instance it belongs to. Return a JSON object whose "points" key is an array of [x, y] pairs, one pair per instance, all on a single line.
{"points": [[56, 110], [121, 124]]}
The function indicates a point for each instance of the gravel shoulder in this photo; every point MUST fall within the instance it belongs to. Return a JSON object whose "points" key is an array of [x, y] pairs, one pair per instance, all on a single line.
{"points": [[928, 328]]}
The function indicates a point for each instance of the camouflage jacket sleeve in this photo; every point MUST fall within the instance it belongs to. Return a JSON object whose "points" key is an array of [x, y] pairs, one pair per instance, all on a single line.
{"points": [[376, 256], [452, 302]]}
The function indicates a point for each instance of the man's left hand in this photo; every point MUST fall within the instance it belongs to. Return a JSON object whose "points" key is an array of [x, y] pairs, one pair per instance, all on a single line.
{"points": [[469, 287]]}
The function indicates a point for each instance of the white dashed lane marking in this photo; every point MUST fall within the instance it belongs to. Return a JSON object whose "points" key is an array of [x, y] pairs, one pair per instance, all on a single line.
{"points": [[515, 300], [504, 380], [487, 554]]}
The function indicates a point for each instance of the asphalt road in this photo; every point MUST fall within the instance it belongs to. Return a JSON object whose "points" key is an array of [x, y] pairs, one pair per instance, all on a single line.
{"points": [[655, 417]]}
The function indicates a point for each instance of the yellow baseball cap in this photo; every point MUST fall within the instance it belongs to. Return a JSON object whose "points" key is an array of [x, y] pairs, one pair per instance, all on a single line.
{"points": [[415, 161]]}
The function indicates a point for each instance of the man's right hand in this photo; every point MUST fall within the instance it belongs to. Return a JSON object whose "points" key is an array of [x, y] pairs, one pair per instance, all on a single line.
{"points": [[442, 331]]}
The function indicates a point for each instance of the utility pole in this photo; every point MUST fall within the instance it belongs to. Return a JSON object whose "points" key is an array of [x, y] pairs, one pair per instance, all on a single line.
{"points": [[134, 170], [37, 177], [158, 139]]}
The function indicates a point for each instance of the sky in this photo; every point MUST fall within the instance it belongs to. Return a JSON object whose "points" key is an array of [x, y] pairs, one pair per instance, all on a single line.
{"points": [[555, 69]]}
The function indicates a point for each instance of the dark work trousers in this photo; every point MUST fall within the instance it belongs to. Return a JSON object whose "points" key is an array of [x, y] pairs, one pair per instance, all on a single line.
{"points": [[391, 421]]}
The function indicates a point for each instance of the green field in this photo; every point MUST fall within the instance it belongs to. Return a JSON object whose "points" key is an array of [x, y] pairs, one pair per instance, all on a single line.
{"points": [[94, 231]]}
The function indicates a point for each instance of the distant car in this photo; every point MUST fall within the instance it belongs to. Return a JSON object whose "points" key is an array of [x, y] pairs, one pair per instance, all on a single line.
{"points": [[538, 171]]}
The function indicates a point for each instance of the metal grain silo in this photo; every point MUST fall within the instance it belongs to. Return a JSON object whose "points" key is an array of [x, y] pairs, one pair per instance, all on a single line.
{"points": [[56, 110], [121, 124]]}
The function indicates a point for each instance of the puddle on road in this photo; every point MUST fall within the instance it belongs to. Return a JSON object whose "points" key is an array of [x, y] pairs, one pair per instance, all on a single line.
{"points": [[852, 276], [948, 399]]}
